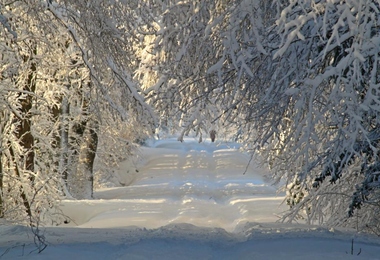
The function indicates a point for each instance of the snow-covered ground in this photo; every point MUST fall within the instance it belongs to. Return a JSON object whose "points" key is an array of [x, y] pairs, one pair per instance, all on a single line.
{"points": [[186, 201]]}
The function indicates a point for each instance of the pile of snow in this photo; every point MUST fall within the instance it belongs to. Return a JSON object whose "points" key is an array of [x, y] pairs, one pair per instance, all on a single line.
{"points": [[186, 201]]}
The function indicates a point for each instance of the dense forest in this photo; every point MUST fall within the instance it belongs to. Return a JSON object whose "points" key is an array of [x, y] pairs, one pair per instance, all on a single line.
{"points": [[83, 82]]}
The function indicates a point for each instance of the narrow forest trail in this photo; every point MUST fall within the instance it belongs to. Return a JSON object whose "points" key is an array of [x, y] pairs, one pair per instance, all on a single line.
{"points": [[179, 205], [206, 185]]}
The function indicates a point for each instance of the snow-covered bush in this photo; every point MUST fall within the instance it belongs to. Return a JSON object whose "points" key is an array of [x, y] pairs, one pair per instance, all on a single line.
{"points": [[327, 82]]}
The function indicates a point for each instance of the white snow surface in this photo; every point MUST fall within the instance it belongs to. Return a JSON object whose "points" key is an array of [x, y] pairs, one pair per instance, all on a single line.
{"points": [[187, 200]]}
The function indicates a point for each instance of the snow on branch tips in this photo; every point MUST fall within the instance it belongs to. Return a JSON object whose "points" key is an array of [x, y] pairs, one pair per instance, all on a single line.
{"points": [[5, 23]]}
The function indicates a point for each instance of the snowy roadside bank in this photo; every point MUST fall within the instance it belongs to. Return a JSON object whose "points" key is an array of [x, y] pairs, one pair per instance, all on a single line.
{"points": [[184, 241]]}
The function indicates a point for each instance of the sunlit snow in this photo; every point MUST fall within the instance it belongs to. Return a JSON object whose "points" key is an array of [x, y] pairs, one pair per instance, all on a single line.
{"points": [[187, 200]]}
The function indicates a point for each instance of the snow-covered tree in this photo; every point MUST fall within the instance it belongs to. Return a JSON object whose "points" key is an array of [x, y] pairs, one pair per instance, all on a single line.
{"points": [[28, 191], [175, 59], [108, 39], [201, 60], [323, 104], [64, 82]]}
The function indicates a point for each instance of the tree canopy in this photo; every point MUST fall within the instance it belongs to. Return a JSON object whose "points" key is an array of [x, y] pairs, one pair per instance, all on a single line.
{"points": [[295, 81]]}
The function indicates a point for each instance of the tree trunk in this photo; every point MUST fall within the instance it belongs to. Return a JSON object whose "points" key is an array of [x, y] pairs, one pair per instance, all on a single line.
{"points": [[2, 123], [1, 185], [61, 140], [64, 139], [84, 141], [75, 180], [84, 173], [24, 163], [24, 197], [23, 125]]}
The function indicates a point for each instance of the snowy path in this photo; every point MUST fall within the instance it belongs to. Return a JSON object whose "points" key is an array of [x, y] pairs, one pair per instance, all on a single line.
{"points": [[201, 184], [187, 201]]}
